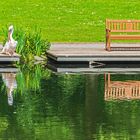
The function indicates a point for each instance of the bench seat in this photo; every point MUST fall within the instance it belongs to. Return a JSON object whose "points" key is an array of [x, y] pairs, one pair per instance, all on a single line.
{"points": [[125, 37]]}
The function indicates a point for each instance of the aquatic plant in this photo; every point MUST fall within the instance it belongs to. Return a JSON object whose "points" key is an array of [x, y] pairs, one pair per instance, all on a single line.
{"points": [[30, 76]]}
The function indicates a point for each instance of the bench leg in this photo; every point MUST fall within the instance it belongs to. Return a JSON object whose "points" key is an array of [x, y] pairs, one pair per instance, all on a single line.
{"points": [[107, 40], [108, 47], [108, 43]]}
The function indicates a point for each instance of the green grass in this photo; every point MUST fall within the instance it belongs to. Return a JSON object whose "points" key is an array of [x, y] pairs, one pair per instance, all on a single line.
{"points": [[67, 20]]}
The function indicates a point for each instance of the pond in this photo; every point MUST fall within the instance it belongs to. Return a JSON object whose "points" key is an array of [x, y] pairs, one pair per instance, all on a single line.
{"points": [[37, 104]]}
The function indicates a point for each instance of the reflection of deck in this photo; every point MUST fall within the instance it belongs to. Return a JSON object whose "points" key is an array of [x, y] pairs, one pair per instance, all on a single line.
{"points": [[8, 68], [86, 68], [121, 89]]}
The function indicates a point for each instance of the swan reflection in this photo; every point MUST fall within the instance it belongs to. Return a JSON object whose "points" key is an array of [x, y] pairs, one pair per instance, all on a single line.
{"points": [[10, 82]]}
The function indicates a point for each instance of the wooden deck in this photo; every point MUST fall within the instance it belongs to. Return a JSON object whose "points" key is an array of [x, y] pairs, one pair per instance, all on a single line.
{"points": [[6, 58], [94, 52]]}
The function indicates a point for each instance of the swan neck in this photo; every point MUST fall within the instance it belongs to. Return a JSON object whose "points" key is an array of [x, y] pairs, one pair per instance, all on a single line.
{"points": [[10, 36]]}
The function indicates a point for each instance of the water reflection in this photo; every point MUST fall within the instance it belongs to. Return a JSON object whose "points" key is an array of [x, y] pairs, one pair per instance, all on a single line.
{"points": [[116, 89], [69, 106], [9, 80]]}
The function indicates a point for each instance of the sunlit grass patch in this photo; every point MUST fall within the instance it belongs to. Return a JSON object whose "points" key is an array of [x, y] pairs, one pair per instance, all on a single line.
{"points": [[67, 21]]}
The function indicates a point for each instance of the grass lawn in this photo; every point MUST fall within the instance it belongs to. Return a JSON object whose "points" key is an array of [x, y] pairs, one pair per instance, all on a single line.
{"points": [[67, 20]]}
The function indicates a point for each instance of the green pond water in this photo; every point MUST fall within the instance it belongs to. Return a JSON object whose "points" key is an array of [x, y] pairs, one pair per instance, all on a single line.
{"points": [[37, 104]]}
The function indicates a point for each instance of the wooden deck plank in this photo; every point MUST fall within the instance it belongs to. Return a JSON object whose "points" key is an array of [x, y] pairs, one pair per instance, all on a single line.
{"points": [[7, 58]]}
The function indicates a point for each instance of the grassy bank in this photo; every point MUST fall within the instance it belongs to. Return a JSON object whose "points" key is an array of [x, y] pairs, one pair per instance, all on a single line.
{"points": [[67, 20]]}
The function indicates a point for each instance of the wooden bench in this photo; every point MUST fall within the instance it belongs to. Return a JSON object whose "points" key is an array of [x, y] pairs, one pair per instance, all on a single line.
{"points": [[121, 30]]}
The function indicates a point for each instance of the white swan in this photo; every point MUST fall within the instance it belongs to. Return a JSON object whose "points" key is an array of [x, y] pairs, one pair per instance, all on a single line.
{"points": [[10, 46]]}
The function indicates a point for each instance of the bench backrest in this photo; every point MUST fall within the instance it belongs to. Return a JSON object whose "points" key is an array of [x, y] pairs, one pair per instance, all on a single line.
{"points": [[123, 25]]}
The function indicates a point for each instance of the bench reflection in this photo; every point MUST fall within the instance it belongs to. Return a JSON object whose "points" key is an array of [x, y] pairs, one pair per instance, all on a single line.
{"points": [[128, 89]]}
